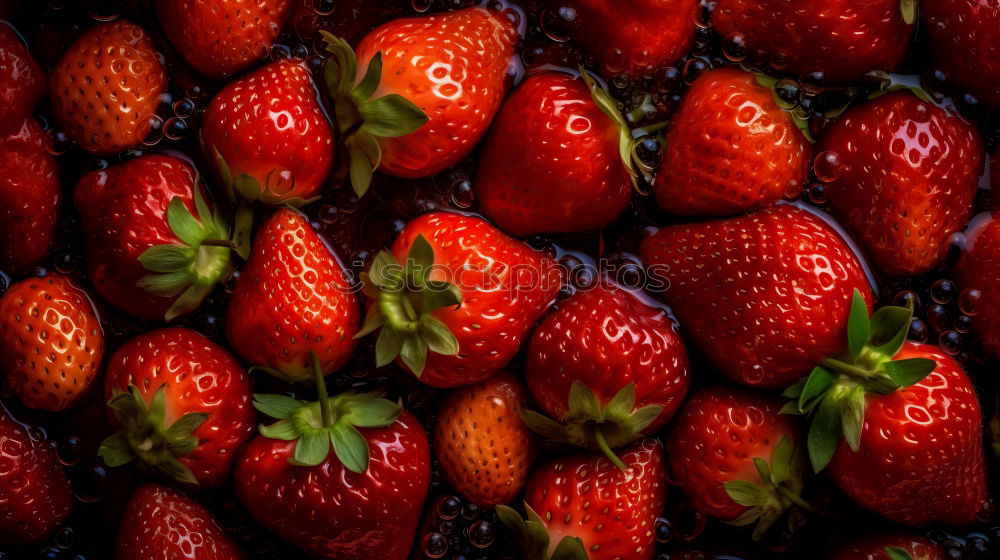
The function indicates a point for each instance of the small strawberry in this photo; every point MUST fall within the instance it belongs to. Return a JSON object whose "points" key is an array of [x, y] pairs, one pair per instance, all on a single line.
{"points": [[465, 296], [907, 175], [430, 87], [53, 342], [183, 406], [221, 37], [730, 149], [22, 82], [107, 86], [765, 296], [965, 42], [979, 269], [892, 546], [483, 446], [163, 523], [610, 365]]}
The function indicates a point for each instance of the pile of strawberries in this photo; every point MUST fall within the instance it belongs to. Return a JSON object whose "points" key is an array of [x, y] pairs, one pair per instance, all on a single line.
{"points": [[548, 280]]}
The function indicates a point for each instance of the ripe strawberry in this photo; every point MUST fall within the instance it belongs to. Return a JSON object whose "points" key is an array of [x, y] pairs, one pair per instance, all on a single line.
{"points": [[610, 365], [29, 198], [892, 546], [465, 296], [183, 405], [557, 160], [221, 37], [765, 296], [22, 82], [35, 495], [161, 522], [107, 86], [730, 148], [269, 328], [844, 39], [977, 269], [965, 42], [430, 87], [908, 172], [269, 136], [53, 342], [483, 446], [155, 249], [584, 506]]}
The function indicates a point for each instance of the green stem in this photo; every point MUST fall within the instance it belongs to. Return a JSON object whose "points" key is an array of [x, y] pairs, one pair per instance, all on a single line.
{"points": [[844, 367], [603, 444], [220, 243], [398, 310], [794, 498], [324, 400]]}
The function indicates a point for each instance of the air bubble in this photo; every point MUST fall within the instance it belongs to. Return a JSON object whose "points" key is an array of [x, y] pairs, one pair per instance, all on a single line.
{"points": [[435, 545], [943, 291], [558, 23], [735, 47], [481, 534], [968, 301], [827, 166]]}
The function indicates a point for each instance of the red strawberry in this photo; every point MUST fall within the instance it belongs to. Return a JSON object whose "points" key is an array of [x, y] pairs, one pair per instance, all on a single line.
{"points": [[465, 296], [183, 404], [586, 507], [483, 446], [35, 495], [979, 269], [269, 136], [893, 546], [995, 171], [765, 296], [907, 175], [844, 39], [29, 198], [730, 148], [431, 86], [553, 161], [155, 249], [965, 41], [736, 457], [53, 342], [22, 82], [106, 87], [293, 297], [609, 364], [160, 522], [221, 37]]}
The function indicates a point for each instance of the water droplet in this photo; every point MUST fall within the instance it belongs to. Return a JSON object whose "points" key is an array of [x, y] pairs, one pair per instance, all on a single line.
{"points": [[175, 128], [827, 166], [481, 534], [435, 545], [184, 107], [968, 301], [448, 507], [735, 47], [559, 22], [943, 291], [950, 342], [69, 450], [662, 531], [905, 298]]}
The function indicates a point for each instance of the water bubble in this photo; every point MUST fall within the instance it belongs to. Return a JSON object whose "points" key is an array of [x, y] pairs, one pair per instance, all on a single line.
{"points": [[817, 194], [435, 545], [963, 324], [300, 51], [462, 194], [662, 531], [155, 133], [559, 22], [470, 511], [907, 298], [57, 142], [943, 291], [950, 342], [421, 6], [481, 534], [827, 166], [937, 317], [175, 128], [67, 262], [649, 151], [65, 537], [787, 94], [69, 450], [184, 107], [324, 7], [918, 330], [694, 68], [51, 553], [968, 301], [37, 433], [735, 47], [448, 507]]}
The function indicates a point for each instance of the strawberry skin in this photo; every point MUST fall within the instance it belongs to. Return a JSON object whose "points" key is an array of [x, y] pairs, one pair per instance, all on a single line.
{"points": [[107, 86], [874, 547], [765, 296], [921, 458], [219, 38], [269, 328], [22, 82], [53, 342], [29, 198], [977, 269], [730, 149], [908, 175], [161, 522], [965, 43]]}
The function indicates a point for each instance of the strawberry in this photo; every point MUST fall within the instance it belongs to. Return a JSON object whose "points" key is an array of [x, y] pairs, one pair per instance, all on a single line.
{"points": [[35, 495], [429, 88], [107, 86], [483, 446], [765, 296], [183, 406], [456, 310], [908, 173], [161, 522], [557, 160], [736, 457], [585, 507], [221, 37], [269, 328], [53, 342], [147, 252], [844, 39], [610, 365], [892, 546], [22, 82], [29, 198], [268, 135], [965, 42], [730, 148], [977, 269]]}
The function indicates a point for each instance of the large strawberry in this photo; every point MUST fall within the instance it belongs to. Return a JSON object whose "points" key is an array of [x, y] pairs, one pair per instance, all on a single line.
{"points": [[454, 298], [107, 86], [765, 296], [183, 406], [163, 523], [273, 330], [29, 198], [979, 269], [35, 495], [22, 82], [220, 37], [730, 148], [608, 366], [53, 342], [421, 91], [155, 248], [558, 158], [890, 546], [907, 175], [965, 42]]}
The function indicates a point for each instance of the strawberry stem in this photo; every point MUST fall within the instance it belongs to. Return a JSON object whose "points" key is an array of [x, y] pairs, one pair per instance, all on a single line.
{"points": [[603, 444], [324, 400], [844, 367]]}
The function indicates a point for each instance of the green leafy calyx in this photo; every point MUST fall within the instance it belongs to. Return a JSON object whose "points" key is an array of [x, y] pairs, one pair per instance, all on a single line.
{"points": [[244, 189], [896, 553], [533, 539], [626, 143]]}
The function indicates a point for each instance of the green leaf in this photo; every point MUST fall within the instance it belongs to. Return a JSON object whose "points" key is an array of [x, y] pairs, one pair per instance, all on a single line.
{"points": [[763, 470], [583, 404], [376, 413], [512, 520], [765, 80], [284, 430], [781, 460], [890, 325], [385, 271], [419, 261], [543, 425], [438, 336], [116, 451], [186, 425], [440, 294], [852, 417], [350, 447], [824, 433], [276, 406], [909, 371], [373, 75], [748, 517], [168, 258], [391, 116], [190, 299], [157, 411], [818, 382], [167, 285], [183, 224], [387, 346], [374, 319], [858, 325], [894, 552], [909, 10], [570, 548], [176, 470], [311, 449], [620, 406], [746, 493], [795, 390], [791, 408], [414, 353], [642, 418], [242, 228], [362, 167]]}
